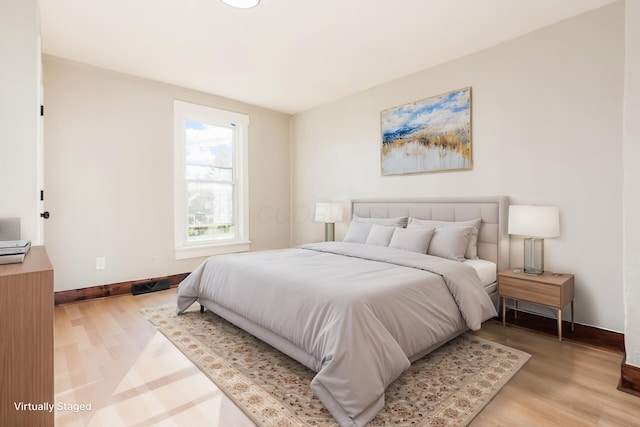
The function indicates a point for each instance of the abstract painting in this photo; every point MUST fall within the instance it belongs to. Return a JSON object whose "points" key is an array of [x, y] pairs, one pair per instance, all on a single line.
{"points": [[430, 135]]}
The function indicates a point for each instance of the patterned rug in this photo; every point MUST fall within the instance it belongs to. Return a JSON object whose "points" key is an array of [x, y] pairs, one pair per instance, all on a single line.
{"points": [[448, 387]]}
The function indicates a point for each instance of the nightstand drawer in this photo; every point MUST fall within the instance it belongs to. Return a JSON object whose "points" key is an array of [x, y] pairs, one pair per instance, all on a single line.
{"points": [[526, 290]]}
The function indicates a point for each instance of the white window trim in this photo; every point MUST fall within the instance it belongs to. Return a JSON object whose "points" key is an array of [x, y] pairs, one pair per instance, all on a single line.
{"points": [[183, 111]]}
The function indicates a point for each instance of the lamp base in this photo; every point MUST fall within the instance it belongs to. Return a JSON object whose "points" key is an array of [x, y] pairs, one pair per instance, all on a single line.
{"points": [[533, 256], [329, 232]]}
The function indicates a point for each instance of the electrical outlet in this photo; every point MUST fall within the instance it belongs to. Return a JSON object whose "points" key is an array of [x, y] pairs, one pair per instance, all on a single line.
{"points": [[101, 263]]}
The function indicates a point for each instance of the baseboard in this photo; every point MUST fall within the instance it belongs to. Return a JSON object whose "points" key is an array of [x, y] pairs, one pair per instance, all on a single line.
{"points": [[583, 334], [629, 379], [122, 288]]}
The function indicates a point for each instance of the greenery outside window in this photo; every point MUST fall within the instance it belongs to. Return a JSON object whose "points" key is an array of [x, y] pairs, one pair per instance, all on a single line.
{"points": [[210, 181]]}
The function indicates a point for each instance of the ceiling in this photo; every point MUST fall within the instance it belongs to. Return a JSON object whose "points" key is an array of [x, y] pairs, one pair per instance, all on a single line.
{"points": [[286, 55]]}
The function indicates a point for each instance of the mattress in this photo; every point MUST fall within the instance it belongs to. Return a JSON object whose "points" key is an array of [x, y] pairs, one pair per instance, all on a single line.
{"points": [[487, 271]]}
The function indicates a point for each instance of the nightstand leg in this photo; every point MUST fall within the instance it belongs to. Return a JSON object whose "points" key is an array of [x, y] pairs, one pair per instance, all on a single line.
{"points": [[515, 313], [572, 326], [504, 311], [559, 325]]}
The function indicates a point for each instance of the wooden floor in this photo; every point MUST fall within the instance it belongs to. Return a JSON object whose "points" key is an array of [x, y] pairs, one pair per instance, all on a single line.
{"points": [[107, 355]]}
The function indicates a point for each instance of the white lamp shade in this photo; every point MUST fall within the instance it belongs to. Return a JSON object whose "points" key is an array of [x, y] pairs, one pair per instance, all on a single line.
{"points": [[242, 4], [534, 221], [329, 212]]}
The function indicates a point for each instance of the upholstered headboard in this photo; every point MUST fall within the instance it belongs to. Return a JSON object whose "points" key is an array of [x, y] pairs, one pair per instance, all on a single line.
{"points": [[493, 240]]}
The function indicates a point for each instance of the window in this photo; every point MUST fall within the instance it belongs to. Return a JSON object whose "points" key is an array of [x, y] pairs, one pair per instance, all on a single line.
{"points": [[211, 207]]}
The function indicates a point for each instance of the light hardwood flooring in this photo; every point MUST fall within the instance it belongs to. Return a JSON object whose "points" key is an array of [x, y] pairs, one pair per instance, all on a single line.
{"points": [[109, 356], [563, 384]]}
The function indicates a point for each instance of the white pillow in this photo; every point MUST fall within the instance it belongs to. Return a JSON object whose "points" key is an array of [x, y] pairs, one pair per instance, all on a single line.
{"points": [[400, 221], [412, 239], [357, 232], [380, 235], [472, 247], [450, 242]]}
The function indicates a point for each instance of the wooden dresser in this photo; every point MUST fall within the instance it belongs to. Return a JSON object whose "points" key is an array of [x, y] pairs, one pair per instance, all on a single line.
{"points": [[26, 341]]}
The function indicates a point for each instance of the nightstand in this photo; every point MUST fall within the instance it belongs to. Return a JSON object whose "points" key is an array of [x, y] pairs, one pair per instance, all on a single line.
{"points": [[550, 289]]}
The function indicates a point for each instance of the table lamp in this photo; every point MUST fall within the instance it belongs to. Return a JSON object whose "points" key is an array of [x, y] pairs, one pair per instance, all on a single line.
{"points": [[329, 213], [536, 223]]}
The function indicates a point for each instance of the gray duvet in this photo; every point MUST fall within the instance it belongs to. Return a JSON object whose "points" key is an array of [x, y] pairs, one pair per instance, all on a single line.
{"points": [[360, 312]]}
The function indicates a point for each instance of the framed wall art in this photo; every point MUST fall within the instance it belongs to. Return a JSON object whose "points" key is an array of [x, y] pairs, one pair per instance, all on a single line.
{"points": [[431, 135]]}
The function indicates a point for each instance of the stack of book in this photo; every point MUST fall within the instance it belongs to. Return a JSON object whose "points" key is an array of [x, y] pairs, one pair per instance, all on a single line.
{"points": [[13, 251]]}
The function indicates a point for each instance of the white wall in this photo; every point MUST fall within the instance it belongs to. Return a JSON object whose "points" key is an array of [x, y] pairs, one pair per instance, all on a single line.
{"points": [[631, 160], [19, 114], [547, 129], [109, 174]]}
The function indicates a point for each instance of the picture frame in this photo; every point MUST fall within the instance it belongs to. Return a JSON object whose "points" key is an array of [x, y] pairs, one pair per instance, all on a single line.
{"points": [[430, 135]]}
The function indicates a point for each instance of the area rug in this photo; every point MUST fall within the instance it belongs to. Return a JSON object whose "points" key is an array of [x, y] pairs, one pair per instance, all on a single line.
{"points": [[448, 387]]}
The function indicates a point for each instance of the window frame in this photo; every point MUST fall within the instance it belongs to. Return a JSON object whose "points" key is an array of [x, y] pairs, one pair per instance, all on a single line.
{"points": [[184, 249]]}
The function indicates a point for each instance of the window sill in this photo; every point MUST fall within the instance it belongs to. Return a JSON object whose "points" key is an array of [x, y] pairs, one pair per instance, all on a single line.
{"points": [[206, 250]]}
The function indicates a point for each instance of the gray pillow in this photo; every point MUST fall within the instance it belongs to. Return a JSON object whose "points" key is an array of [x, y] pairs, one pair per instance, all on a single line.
{"points": [[380, 235], [400, 221], [412, 239], [450, 242], [472, 247], [357, 232]]}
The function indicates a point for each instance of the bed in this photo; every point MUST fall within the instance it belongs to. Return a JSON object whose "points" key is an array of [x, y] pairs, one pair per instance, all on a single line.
{"points": [[358, 312]]}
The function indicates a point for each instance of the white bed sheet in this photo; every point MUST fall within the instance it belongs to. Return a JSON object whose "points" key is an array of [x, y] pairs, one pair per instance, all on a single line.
{"points": [[487, 270]]}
